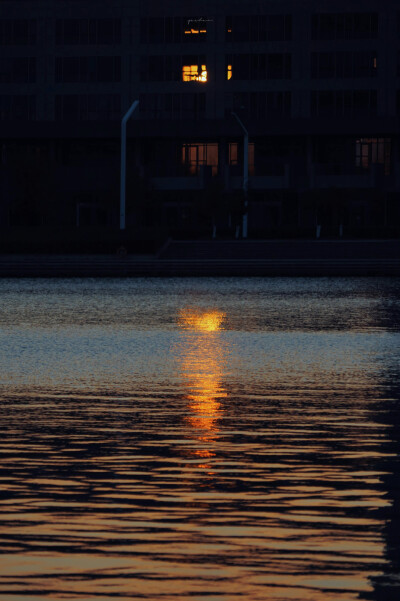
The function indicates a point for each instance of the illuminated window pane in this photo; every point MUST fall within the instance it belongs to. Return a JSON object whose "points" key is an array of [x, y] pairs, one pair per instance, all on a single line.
{"points": [[195, 156], [194, 73], [212, 158], [195, 28], [233, 153]]}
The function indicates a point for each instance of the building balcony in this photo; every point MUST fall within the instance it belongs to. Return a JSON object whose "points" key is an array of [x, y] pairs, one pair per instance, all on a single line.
{"points": [[333, 175], [275, 177]]}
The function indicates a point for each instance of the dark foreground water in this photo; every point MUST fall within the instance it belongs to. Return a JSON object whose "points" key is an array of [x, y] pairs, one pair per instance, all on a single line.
{"points": [[208, 439]]}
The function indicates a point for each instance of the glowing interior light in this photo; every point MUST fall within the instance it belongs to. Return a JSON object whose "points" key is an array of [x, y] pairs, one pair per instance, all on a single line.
{"points": [[192, 30], [191, 73], [203, 74], [229, 72]]}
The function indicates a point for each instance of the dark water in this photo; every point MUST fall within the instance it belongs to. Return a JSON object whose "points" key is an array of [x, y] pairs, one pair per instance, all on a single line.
{"points": [[200, 439]]}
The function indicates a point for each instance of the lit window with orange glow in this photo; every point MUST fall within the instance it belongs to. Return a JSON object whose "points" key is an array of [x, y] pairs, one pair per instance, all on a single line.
{"points": [[199, 155], [196, 27], [194, 73], [229, 72], [228, 28], [194, 31]]}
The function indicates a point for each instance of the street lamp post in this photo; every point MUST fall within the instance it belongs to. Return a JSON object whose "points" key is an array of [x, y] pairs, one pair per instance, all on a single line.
{"points": [[123, 165], [245, 172]]}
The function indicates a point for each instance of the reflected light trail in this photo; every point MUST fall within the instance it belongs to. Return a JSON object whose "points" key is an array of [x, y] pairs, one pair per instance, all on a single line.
{"points": [[202, 363]]}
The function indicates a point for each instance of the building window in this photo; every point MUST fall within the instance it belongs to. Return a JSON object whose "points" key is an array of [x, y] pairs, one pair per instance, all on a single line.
{"points": [[87, 69], [88, 31], [258, 66], [17, 69], [260, 28], [172, 106], [159, 30], [17, 108], [344, 102], [344, 26], [88, 107], [194, 73], [195, 156], [236, 158], [233, 153], [373, 151], [173, 68], [327, 65], [17, 32], [196, 27], [260, 105]]}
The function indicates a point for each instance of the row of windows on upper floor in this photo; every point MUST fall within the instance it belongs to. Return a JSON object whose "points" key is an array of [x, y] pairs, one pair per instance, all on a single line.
{"points": [[238, 28], [103, 69], [254, 105]]}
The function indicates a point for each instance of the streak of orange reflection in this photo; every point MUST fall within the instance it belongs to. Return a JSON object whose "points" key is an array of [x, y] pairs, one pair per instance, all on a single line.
{"points": [[202, 360]]}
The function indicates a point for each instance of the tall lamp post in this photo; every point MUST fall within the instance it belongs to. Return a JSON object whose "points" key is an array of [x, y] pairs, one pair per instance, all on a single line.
{"points": [[123, 165], [245, 172]]}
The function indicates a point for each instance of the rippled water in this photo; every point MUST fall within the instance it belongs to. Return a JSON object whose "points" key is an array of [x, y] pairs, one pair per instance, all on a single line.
{"points": [[200, 439]]}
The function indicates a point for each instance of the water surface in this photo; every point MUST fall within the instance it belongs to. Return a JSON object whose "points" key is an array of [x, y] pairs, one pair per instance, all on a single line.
{"points": [[199, 439]]}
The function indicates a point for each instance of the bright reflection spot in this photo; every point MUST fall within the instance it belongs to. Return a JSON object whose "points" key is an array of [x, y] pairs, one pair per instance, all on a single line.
{"points": [[209, 321], [203, 321]]}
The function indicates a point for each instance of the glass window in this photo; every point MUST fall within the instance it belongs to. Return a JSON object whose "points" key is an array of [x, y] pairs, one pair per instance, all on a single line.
{"points": [[370, 151], [196, 155], [18, 32], [194, 29], [155, 30], [329, 26]]}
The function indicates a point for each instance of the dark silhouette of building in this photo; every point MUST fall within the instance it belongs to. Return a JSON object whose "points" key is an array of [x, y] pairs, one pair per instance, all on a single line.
{"points": [[316, 84]]}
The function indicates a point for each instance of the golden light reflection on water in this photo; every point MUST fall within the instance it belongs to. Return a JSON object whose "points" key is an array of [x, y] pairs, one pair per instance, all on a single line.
{"points": [[202, 364], [191, 461], [201, 320]]}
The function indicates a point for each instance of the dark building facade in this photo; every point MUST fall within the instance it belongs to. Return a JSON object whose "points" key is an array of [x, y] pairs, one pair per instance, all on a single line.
{"points": [[315, 84]]}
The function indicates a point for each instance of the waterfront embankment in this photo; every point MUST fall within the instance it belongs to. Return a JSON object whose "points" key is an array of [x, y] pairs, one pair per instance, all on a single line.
{"points": [[220, 258]]}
